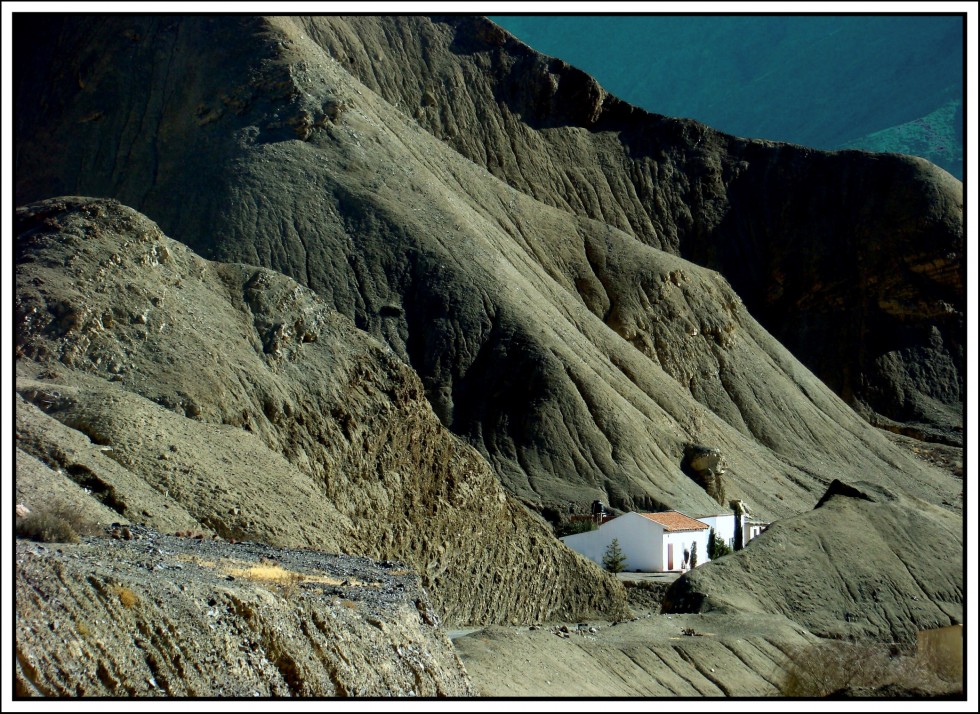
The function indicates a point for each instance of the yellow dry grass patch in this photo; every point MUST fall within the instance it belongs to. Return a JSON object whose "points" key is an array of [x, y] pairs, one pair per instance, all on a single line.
{"points": [[269, 572], [126, 596], [201, 562], [276, 574]]}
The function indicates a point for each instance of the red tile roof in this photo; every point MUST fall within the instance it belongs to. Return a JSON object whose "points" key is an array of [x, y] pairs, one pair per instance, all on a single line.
{"points": [[675, 521]]}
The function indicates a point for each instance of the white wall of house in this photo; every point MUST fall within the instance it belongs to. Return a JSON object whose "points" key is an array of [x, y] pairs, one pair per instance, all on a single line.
{"points": [[639, 539], [679, 541], [647, 547], [724, 526]]}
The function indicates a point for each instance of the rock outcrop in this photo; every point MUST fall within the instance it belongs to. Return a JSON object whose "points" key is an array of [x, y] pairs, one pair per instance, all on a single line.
{"points": [[707, 467], [547, 328], [183, 393]]}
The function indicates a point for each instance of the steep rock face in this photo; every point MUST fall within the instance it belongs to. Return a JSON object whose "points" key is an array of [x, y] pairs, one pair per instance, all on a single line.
{"points": [[230, 396], [866, 562], [578, 360], [854, 261], [159, 616]]}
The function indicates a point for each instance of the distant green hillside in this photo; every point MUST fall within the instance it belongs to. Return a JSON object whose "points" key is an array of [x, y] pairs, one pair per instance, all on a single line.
{"points": [[881, 83]]}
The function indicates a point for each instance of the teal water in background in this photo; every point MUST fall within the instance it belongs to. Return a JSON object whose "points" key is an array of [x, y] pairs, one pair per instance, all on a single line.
{"points": [[878, 83]]}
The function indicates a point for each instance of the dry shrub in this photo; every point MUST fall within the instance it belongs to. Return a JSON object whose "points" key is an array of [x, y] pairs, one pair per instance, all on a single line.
{"points": [[940, 651], [57, 524], [127, 597], [289, 583], [860, 669], [827, 667], [45, 527]]}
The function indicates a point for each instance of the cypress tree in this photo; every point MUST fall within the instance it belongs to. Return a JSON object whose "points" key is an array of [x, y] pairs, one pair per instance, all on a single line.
{"points": [[614, 561]]}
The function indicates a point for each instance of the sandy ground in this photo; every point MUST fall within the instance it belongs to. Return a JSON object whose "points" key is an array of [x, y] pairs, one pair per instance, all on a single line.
{"points": [[651, 656]]}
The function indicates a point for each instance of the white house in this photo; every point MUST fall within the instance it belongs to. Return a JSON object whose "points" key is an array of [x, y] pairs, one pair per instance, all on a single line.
{"points": [[651, 542], [724, 525], [753, 527]]}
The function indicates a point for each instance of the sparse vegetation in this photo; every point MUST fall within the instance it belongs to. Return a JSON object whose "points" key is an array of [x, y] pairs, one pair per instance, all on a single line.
{"points": [[127, 597], [717, 548], [46, 527], [567, 528], [614, 561], [58, 524], [862, 669], [289, 583], [267, 571]]}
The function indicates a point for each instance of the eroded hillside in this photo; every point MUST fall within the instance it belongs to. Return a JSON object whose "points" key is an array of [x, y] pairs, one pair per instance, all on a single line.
{"points": [[185, 393], [434, 278], [866, 563], [853, 261], [546, 327]]}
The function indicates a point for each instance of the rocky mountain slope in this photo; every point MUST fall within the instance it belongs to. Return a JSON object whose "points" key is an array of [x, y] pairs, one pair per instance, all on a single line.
{"points": [[434, 278], [855, 262], [189, 394], [151, 615], [548, 329]]}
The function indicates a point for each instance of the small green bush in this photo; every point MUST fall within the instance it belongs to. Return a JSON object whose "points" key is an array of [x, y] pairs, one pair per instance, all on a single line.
{"points": [[614, 561], [717, 548]]}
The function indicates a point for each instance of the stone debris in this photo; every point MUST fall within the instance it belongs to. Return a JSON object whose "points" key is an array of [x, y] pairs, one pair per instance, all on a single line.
{"points": [[131, 630]]}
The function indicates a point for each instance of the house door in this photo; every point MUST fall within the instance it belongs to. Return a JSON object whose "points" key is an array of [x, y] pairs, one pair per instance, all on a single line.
{"points": [[670, 556]]}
